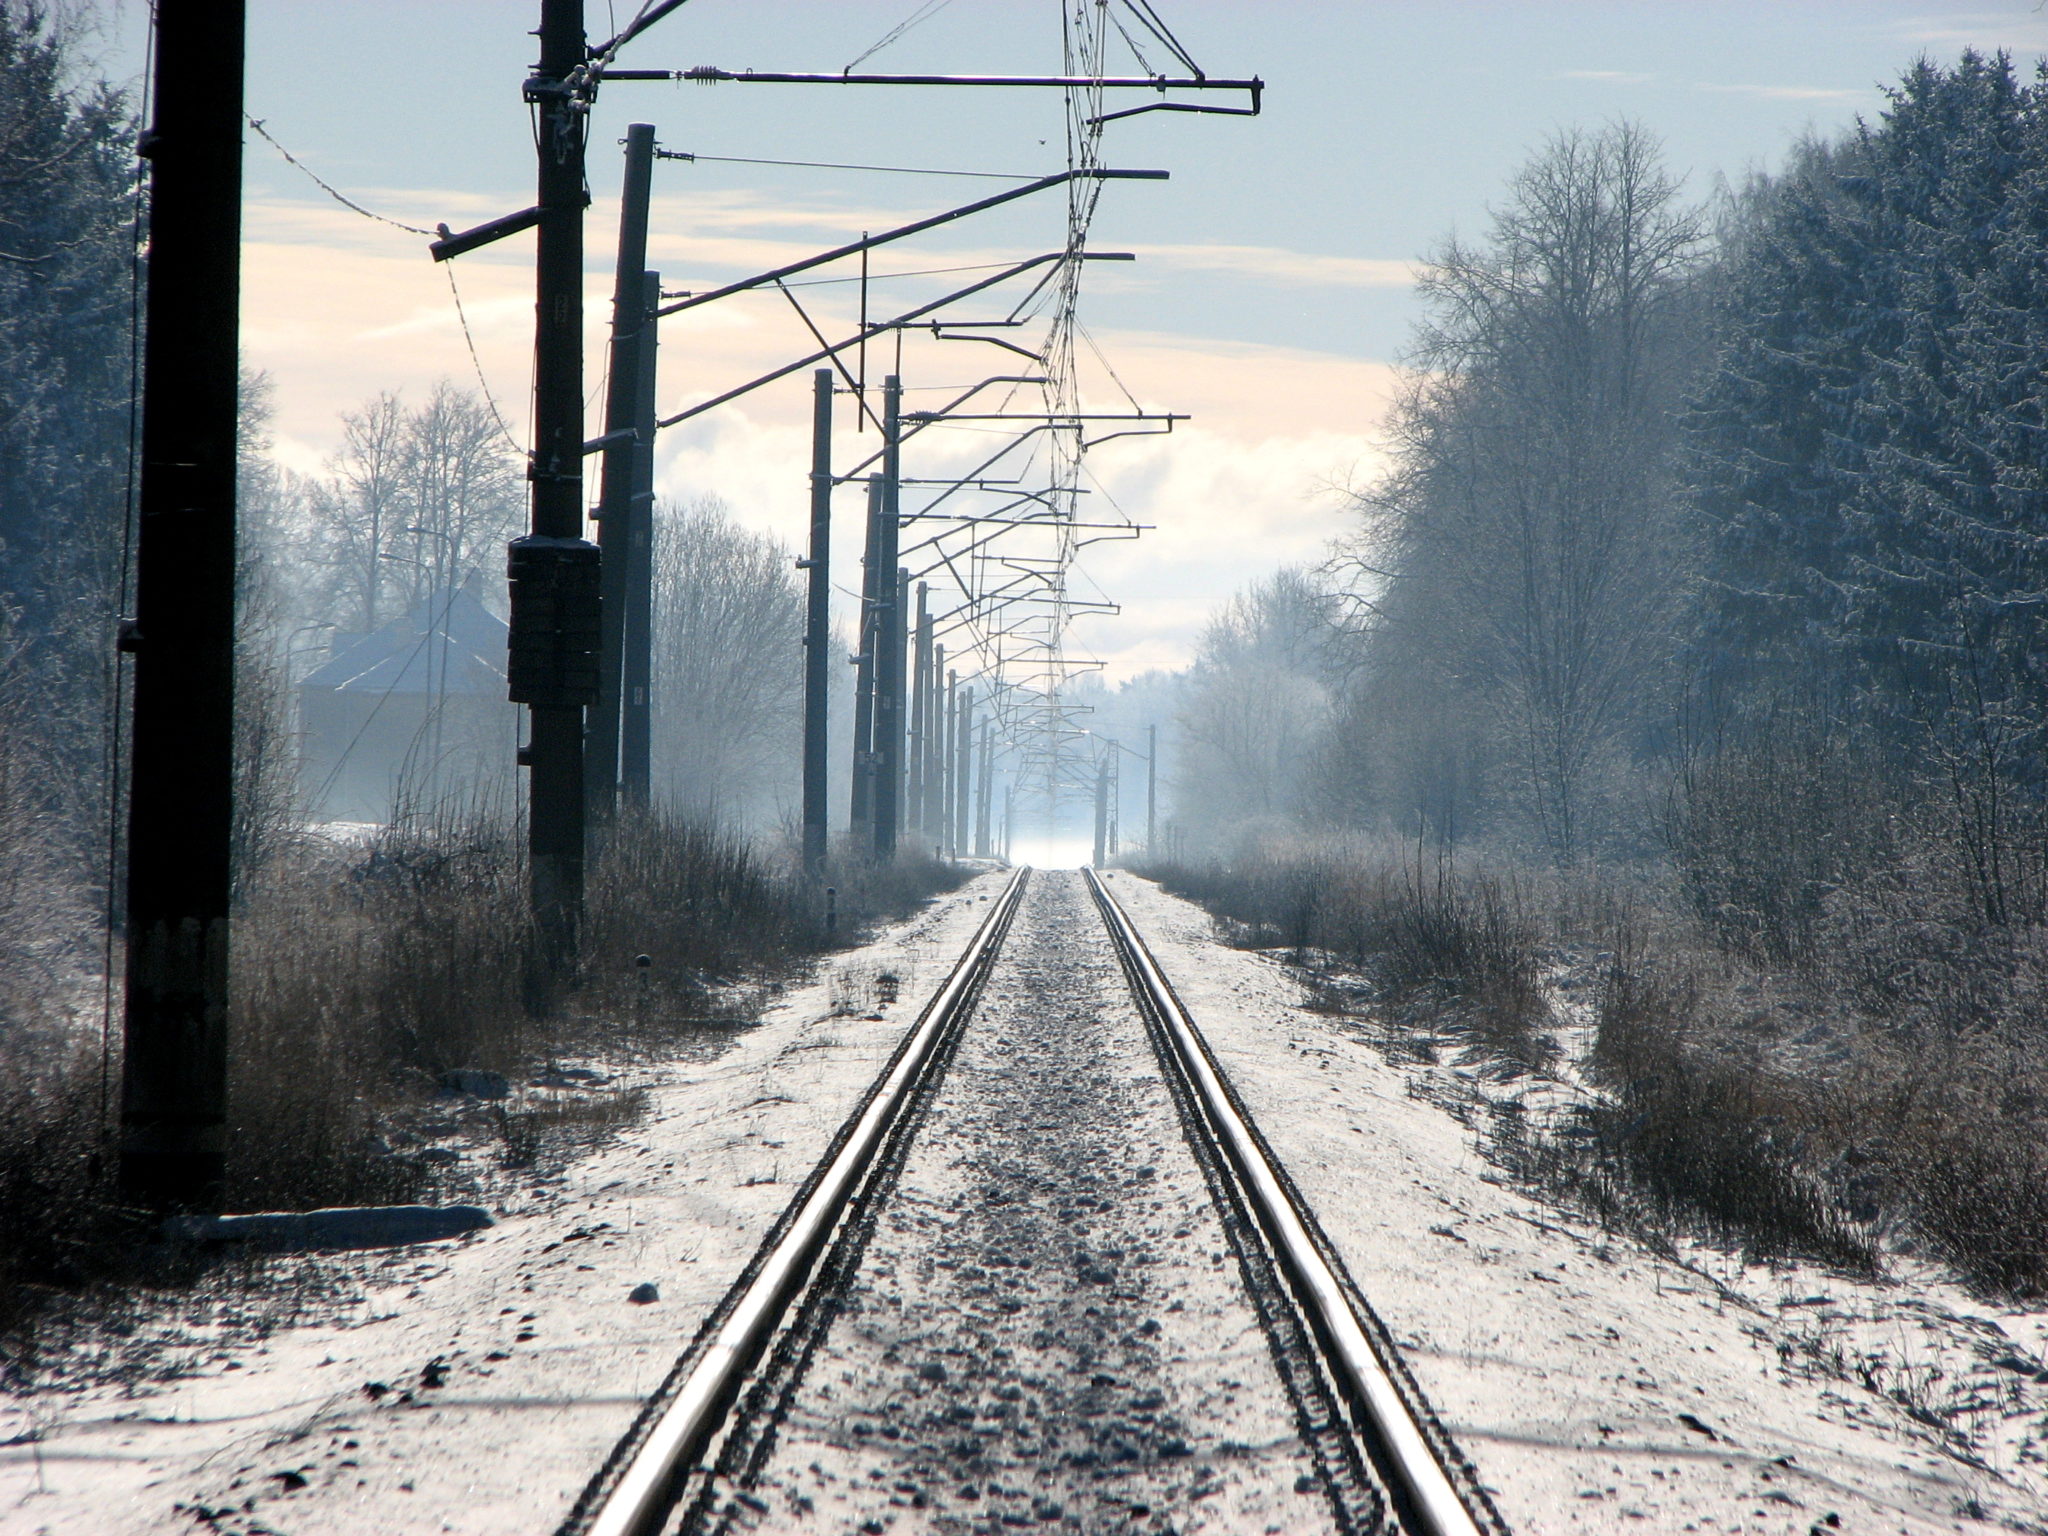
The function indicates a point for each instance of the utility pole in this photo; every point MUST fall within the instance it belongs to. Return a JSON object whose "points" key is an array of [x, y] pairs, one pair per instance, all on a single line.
{"points": [[181, 806], [818, 622], [920, 717], [952, 783], [888, 717], [861, 817], [941, 712], [617, 513], [1009, 816], [934, 734], [555, 621], [1116, 798], [636, 734], [1101, 859], [963, 769], [987, 789], [1151, 790]]}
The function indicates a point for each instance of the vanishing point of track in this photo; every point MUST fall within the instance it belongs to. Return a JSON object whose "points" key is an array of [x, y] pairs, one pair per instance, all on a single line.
{"points": [[1374, 1450]]}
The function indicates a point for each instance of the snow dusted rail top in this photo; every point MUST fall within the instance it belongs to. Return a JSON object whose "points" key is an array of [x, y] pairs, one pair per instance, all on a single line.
{"points": [[634, 1494], [1429, 1502]]}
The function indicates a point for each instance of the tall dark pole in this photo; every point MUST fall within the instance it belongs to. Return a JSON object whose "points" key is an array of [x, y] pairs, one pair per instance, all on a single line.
{"points": [[934, 732], [174, 1076], [986, 788], [941, 712], [862, 813], [952, 764], [963, 770], [554, 571], [1116, 798], [888, 749], [920, 717], [636, 726], [622, 414], [1101, 859], [1151, 790], [818, 623]]}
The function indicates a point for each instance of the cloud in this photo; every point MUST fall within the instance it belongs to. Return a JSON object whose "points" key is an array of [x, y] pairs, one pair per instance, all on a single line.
{"points": [[1785, 92], [337, 308], [2018, 31], [1244, 488], [1274, 264]]}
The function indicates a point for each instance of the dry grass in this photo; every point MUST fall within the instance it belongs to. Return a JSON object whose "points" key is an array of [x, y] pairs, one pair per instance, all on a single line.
{"points": [[1454, 952], [1889, 1087], [1701, 1126], [362, 975]]}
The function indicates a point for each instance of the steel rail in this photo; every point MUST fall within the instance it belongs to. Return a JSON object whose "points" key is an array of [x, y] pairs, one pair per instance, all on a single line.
{"points": [[644, 1492], [1427, 1498]]}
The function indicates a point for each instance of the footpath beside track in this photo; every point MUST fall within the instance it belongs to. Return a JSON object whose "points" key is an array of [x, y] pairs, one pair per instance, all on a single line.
{"points": [[1003, 1298]]}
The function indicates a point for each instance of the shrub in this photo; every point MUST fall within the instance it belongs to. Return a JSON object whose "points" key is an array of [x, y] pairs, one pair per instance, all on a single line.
{"points": [[1456, 948], [362, 973]]}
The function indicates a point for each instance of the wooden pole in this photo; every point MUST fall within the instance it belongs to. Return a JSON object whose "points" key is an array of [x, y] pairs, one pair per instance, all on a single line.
{"points": [[181, 805]]}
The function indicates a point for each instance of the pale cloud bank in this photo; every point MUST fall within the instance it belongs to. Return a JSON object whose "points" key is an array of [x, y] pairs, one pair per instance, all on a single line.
{"points": [[1297, 268], [337, 309], [1785, 92], [2020, 31]]}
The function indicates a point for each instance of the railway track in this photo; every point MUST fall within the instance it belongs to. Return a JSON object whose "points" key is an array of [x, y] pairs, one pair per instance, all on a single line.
{"points": [[1031, 1249]]}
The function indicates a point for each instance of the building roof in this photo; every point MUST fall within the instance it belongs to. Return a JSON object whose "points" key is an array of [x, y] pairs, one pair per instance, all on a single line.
{"points": [[408, 655]]}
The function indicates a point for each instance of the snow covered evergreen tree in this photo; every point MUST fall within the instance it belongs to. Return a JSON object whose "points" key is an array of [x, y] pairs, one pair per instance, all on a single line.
{"points": [[1871, 454]]}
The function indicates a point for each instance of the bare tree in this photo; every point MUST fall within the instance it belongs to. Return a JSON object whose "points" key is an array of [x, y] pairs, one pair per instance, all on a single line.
{"points": [[460, 487], [1257, 702], [414, 502], [728, 698], [361, 508], [1529, 528]]}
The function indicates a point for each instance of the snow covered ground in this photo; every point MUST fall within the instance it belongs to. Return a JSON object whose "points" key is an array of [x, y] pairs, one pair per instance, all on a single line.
{"points": [[1597, 1386], [473, 1386]]}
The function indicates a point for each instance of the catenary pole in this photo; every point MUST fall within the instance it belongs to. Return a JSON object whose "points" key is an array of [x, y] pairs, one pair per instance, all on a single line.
{"points": [[554, 570], [174, 1074], [941, 708], [888, 718], [920, 717], [1116, 798], [952, 779], [818, 624], [636, 726], [934, 735], [1151, 790], [861, 817], [1101, 859], [615, 504], [986, 790], [963, 771]]}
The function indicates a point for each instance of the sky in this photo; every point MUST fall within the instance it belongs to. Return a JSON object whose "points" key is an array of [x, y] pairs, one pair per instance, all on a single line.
{"points": [[1270, 301]]}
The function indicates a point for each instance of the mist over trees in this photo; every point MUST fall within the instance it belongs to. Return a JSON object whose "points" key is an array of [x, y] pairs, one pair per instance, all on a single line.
{"points": [[1712, 533], [728, 657], [1691, 645], [414, 500]]}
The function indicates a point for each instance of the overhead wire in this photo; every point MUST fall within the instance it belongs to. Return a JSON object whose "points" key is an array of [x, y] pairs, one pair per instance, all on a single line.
{"points": [[922, 14], [461, 315], [340, 197]]}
